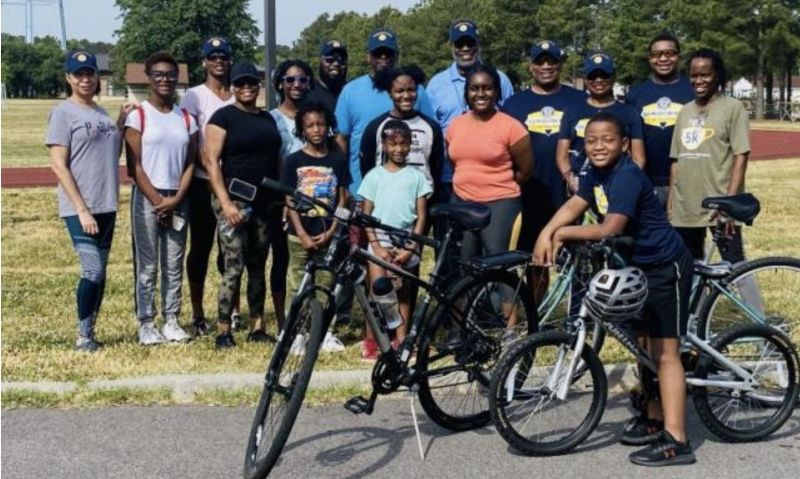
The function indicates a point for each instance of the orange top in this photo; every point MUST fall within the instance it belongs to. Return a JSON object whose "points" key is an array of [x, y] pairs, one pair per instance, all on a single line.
{"points": [[481, 156]]}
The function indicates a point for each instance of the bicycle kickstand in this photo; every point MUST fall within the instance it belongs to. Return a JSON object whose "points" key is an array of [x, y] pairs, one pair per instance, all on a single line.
{"points": [[412, 394]]}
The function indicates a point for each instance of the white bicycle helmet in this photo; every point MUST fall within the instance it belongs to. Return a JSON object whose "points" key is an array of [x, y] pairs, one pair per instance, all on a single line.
{"points": [[616, 294]]}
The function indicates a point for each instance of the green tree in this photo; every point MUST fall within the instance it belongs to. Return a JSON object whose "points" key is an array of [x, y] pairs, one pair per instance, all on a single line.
{"points": [[34, 70], [180, 27], [89, 46]]}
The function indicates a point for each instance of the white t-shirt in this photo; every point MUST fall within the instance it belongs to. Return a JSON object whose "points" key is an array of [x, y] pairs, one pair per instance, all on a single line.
{"points": [[164, 144], [201, 103]]}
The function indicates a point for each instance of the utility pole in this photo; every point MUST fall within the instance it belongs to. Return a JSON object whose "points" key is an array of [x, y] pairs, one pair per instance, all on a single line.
{"points": [[269, 50], [29, 21], [63, 25]]}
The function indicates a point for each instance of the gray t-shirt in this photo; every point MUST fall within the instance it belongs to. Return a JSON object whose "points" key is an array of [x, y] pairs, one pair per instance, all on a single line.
{"points": [[93, 143]]}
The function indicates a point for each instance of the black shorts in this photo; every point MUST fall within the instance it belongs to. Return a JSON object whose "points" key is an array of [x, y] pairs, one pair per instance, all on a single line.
{"points": [[537, 210], [669, 286]]}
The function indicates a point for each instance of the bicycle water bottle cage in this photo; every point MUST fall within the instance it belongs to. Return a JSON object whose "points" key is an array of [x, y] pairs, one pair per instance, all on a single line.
{"points": [[713, 270], [464, 216], [504, 261], [744, 207]]}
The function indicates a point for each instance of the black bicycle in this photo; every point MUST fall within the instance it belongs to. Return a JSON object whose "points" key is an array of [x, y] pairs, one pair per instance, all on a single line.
{"points": [[457, 332]]}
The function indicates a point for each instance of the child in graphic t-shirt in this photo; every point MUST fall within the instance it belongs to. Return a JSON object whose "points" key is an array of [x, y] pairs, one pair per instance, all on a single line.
{"points": [[323, 174], [397, 196]]}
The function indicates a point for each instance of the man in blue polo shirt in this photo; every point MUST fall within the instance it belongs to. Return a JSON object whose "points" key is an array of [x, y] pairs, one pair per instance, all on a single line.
{"points": [[658, 100], [360, 101], [446, 90]]}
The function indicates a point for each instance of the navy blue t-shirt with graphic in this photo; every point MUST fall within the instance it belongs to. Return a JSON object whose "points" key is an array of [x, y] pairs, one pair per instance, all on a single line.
{"points": [[573, 127], [658, 106], [542, 115], [625, 189]]}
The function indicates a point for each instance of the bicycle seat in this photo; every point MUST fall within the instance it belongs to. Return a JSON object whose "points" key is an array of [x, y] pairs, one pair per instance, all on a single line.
{"points": [[744, 207], [719, 270], [465, 216]]}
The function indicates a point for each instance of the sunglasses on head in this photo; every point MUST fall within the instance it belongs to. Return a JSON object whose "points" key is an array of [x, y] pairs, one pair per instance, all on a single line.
{"points": [[158, 75], [303, 80], [392, 132], [246, 82]]}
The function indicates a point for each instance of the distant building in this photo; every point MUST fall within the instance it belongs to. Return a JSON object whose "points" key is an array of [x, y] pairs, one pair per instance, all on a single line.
{"points": [[106, 75], [138, 85]]}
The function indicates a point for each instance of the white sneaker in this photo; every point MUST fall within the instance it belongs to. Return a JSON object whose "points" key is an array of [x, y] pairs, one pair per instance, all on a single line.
{"points": [[149, 335], [298, 346], [331, 344], [172, 330]]}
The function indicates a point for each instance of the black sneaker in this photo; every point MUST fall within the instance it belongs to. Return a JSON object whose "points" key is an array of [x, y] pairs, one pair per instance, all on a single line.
{"points": [[87, 345], [666, 451], [259, 336], [225, 341], [641, 430], [200, 327]]}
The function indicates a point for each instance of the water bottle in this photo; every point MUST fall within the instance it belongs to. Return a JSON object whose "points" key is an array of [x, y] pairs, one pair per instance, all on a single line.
{"points": [[384, 294], [226, 229]]}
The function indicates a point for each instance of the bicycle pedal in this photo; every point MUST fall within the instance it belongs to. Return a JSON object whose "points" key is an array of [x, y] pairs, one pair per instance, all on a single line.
{"points": [[359, 404]]}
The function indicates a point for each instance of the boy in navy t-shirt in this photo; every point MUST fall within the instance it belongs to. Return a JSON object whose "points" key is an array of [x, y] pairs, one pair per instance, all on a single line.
{"points": [[620, 191]]}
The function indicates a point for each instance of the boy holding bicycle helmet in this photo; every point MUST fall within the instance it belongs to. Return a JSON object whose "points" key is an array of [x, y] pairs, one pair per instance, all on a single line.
{"points": [[620, 191]]}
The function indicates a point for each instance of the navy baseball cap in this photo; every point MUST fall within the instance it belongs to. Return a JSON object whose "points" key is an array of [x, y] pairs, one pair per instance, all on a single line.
{"points": [[382, 38], [333, 46], [244, 70], [547, 47], [216, 45], [78, 60], [599, 62], [463, 28]]}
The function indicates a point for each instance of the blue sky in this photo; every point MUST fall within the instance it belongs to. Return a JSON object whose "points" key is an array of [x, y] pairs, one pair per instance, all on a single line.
{"points": [[96, 20]]}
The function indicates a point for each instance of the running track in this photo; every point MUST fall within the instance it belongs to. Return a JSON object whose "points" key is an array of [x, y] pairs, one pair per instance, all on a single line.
{"points": [[766, 145]]}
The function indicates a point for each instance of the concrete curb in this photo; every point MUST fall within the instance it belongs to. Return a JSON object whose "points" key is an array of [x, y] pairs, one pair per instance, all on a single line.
{"points": [[621, 377]]}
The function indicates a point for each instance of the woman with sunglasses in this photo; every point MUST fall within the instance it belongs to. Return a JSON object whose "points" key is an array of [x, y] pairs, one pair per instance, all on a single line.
{"points": [[293, 80], [570, 158], [160, 141], [242, 146]]}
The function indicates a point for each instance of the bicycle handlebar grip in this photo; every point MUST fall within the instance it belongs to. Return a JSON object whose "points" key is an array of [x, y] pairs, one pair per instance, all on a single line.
{"points": [[277, 186]]}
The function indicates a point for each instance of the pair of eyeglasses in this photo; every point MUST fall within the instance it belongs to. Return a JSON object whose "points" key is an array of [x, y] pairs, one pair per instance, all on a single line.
{"points": [[246, 83], [158, 75], [656, 54], [218, 58], [335, 59], [303, 80]]}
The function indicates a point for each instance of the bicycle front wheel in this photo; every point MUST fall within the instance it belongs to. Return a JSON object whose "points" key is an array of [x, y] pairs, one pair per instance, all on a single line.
{"points": [[762, 291], [755, 410], [284, 387], [525, 406]]}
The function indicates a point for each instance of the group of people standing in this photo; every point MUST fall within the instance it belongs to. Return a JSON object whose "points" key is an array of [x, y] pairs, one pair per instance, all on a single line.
{"points": [[397, 146]]}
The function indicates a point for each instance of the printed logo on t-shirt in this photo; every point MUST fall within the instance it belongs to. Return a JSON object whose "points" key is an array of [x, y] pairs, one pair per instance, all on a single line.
{"points": [[546, 121], [695, 134], [318, 182], [661, 114], [580, 127], [601, 200]]}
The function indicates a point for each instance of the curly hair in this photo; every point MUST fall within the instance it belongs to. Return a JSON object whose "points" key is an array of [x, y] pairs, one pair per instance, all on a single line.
{"points": [[280, 72], [716, 63], [159, 57], [385, 78], [313, 107]]}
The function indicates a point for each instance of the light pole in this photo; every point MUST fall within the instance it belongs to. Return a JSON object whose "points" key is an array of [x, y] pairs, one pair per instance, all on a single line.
{"points": [[269, 50]]}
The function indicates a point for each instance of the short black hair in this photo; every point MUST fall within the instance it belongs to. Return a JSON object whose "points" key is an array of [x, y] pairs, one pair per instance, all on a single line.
{"points": [[604, 117], [385, 78], [280, 72], [716, 62], [159, 57], [312, 107], [486, 68], [399, 127], [665, 36]]}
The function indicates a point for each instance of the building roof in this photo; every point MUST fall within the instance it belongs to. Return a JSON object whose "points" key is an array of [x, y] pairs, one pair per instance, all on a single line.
{"points": [[134, 74]]}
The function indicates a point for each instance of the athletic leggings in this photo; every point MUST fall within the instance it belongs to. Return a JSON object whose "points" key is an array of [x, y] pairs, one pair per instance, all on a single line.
{"points": [[496, 237], [93, 255], [279, 244], [202, 228]]}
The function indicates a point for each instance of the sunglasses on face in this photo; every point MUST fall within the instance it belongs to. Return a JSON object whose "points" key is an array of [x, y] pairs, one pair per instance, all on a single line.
{"points": [[218, 58], [598, 77], [545, 60], [157, 75], [303, 80], [335, 59], [246, 83], [465, 43], [382, 53], [656, 54]]}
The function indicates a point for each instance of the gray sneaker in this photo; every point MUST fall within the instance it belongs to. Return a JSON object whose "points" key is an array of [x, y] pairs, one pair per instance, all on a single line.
{"points": [[149, 335], [172, 330], [86, 344]]}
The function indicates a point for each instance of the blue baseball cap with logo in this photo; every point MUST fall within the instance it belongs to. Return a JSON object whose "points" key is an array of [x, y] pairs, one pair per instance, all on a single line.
{"points": [[599, 62], [547, 47], [463, 28], [382, 38], [216, 44], [79, 60], [331, 47]]}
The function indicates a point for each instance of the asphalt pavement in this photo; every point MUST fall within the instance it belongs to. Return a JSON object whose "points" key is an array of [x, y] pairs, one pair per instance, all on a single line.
{"points": [[208, 442]]}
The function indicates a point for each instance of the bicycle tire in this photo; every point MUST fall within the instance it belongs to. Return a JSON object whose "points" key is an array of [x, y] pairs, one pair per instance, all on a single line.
{"points": [[445, 371], [777, 280], [306, 318], [509, 396], [778, 362]]}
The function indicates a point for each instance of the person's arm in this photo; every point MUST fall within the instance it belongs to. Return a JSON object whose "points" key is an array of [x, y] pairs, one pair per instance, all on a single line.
{"points": [[342, 144], [367, 207], [564, 166], [305, 240], [419, 229], [638, 152], [368, 151], [673, 175], [169, 203], [59, 157], [522, 155], [214, 140], [737, 174], [613, 224], [133, 148], [543, 251], [436, 161]]}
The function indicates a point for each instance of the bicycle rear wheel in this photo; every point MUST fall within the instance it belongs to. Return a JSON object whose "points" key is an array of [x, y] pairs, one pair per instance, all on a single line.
{"points": [[456, 357], [749, 415], [523, 395], [285, 387], [768, 287]]}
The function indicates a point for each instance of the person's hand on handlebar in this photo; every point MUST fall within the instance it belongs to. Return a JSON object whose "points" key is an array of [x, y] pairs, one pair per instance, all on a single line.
{"points": [[403, 257], [382, 253]]}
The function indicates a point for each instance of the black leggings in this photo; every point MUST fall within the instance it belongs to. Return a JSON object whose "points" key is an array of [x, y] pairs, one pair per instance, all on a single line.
{"points": [[202, 228], [495, 238], [279, 244]]}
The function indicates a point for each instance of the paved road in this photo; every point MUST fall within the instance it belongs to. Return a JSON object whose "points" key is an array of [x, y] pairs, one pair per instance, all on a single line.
{"points": [[208, 442]]}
